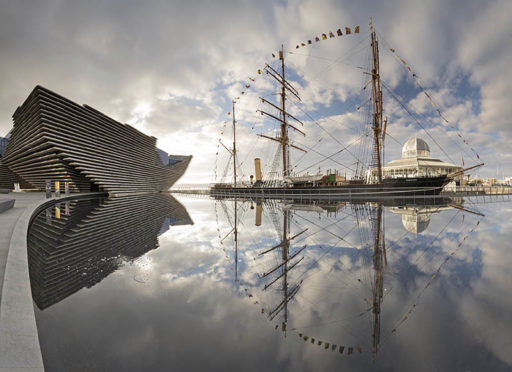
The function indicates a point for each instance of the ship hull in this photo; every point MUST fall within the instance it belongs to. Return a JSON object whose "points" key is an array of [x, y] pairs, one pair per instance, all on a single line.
{"points": [[401, 187]]}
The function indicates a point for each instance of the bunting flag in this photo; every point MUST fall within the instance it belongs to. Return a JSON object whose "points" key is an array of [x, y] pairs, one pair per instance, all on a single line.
{"points": [[325, 37], [416, 80], [330, 346], [280, 55]]}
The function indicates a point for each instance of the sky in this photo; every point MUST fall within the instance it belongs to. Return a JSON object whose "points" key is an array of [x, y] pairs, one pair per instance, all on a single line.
{"points": [[172, 68]]}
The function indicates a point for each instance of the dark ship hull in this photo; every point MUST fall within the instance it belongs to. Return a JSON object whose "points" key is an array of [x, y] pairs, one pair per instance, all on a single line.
{"points": [[402, 187]]}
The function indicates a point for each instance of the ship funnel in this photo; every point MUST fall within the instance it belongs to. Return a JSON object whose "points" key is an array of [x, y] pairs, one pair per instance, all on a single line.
{"points": [[259, 210], [257, 168]]}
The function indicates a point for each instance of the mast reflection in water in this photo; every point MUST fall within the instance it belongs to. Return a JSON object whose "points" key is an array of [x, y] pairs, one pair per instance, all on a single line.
{"points": [[336, 231], [268, 285]]}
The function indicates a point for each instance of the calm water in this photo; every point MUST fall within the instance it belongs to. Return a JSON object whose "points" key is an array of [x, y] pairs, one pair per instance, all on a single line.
{"points": [[157, 284]]}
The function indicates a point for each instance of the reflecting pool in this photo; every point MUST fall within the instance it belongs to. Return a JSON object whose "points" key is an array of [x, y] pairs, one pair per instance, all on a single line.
{"points": [[165, 283]]}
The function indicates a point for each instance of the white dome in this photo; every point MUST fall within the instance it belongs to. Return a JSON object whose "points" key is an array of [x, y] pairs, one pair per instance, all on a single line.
{"points": [[415, 147], [415, 223]]}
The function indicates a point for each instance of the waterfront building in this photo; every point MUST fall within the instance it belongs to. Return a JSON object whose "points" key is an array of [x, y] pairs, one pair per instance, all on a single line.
{"points": [[416, 161], [56, 139]]}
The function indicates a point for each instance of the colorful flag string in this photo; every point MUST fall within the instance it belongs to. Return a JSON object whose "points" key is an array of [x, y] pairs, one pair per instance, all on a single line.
{"points": [[331, 346], [325, 37]]}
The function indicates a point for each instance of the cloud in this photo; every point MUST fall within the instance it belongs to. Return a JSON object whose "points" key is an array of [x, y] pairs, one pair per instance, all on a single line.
{"points": [[187, 61]]}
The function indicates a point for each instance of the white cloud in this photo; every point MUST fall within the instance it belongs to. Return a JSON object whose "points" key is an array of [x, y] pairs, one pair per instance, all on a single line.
{"points": [[187, 61]]}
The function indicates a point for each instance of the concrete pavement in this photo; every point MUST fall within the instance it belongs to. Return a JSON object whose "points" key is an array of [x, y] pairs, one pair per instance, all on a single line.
{"points": [[19, 340]]}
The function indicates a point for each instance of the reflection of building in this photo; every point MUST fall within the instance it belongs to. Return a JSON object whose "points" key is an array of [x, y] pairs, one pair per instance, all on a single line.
{"points": [[416, 218], [417, 162], [415, 221], [77, 245], [56, 139]]}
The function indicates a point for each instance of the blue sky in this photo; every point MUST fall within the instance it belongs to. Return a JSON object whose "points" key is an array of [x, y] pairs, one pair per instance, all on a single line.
{"points": [[171, 69]]}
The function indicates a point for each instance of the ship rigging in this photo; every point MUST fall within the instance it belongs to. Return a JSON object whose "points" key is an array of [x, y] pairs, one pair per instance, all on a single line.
{"points": [[367, 179]]}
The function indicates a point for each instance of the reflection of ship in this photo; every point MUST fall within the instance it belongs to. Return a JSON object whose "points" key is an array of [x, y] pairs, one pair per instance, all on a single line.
{"points": [[367, 180], [77, 245], [286, 271]]}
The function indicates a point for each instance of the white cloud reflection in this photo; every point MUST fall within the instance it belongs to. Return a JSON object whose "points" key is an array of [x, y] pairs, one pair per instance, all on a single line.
{"points": [[179, 304]]}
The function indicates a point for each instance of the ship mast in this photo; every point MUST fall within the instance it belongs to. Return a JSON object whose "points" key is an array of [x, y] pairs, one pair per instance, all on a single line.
{"points": [[234, 146], [284, 126], [284, 268], [379, 260], [283, 139], [377, 104]]}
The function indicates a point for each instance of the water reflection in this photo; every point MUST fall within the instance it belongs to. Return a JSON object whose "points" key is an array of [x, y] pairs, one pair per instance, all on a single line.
{"points": [[76, 244], [322, 245], [278, 286]]}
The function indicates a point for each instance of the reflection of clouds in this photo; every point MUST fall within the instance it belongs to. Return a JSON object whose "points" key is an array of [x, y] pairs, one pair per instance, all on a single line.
{"points": [[190, 315], [486, 307]]}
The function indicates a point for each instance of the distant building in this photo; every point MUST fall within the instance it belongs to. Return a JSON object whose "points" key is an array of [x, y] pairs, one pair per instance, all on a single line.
{"points": [[416, 161], [7, 178], [56, 139], [3, 145]]}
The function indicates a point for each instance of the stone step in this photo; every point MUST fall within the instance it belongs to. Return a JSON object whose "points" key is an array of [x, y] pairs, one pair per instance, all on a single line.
{"points": [[6, 204]]}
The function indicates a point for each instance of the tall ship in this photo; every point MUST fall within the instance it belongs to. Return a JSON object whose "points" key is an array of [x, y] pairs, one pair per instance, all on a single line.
{"points": [[417, 173]]}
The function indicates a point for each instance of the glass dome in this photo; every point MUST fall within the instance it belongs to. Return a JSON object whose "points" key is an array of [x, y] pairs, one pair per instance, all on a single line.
{"points": [[415, 147]]}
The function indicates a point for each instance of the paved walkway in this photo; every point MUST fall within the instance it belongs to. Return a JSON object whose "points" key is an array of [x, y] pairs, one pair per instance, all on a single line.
{"points": [[8, 220], [19, 341]]}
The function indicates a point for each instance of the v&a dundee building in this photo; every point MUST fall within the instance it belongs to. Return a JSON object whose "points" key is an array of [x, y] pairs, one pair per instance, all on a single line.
{"points": [[56, 139]]}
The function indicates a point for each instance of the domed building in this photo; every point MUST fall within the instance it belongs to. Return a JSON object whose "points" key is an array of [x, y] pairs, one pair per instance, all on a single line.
{"points": [[417, 162]]}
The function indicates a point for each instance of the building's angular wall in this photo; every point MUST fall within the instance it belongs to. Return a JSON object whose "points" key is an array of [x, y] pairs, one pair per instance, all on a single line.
{"points": [[6, 181], [57, 139], [7, 178]]}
